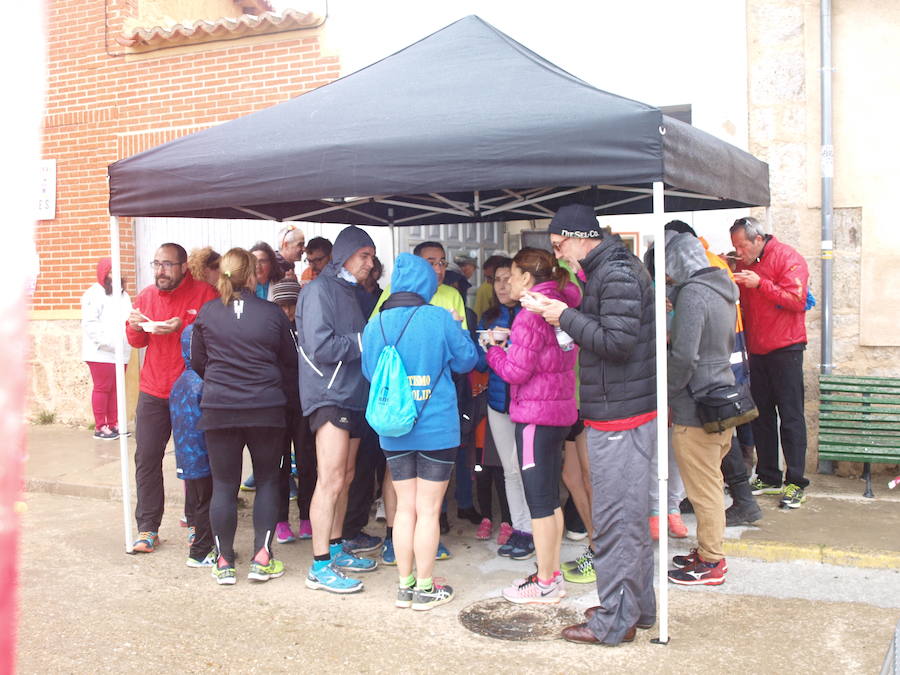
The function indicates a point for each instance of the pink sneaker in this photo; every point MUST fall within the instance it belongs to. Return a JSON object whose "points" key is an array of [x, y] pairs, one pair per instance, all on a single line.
{"points": [[484, 530], [305, 530], [677, 528], [531, 592], [654, 528], [504, 534], [283, 533]]}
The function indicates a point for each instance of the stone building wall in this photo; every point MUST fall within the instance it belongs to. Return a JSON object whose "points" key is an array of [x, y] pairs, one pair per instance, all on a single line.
{"points": [[784, 130]]}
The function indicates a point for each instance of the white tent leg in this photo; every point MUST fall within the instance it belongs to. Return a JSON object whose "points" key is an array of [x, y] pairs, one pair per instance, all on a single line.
{"points": [[120, 387], [662, 406]]}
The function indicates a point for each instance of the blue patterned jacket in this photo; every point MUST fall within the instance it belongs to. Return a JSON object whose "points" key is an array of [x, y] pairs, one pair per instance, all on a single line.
{"points": [[191, 459]]}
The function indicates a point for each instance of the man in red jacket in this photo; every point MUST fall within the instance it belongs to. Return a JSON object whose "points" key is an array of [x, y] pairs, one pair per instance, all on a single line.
{"points": [[773, 279], [160, 314]]}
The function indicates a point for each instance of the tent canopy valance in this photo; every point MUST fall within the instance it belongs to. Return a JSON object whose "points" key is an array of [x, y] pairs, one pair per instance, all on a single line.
{"points": [[465, 125]]}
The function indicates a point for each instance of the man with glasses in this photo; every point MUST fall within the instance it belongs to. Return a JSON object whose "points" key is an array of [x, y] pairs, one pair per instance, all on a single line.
{"points": [[160, 313], [291, 244], [615, 329], [773, 279], [318, 254]]}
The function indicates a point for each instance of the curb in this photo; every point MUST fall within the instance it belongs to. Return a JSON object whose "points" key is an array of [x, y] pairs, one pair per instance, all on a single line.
{"points": [[769, 551], [103, 492]]}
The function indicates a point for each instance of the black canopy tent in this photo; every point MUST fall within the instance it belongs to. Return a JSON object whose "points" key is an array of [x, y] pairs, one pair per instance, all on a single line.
{"points": [[465, 125]]}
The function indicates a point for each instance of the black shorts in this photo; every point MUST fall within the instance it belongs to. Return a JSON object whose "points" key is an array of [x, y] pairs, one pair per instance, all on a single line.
{"points": [[575, 429], [348, 420], [433, 465]]}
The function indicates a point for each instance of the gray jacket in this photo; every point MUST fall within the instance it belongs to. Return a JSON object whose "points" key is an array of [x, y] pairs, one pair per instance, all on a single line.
{"points": [[701, 341], [329, 332]]}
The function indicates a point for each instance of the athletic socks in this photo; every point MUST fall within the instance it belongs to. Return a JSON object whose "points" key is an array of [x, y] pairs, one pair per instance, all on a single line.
{"points": [[424, 584], [408, 582]]}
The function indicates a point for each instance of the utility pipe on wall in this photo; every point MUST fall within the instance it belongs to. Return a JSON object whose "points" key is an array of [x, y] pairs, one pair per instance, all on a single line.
{"points": [[827, 186]]}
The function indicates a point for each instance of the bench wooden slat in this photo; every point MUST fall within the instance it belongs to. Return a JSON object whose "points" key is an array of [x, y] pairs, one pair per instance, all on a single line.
{"points": [[859, 400], [860, 440], [884, 431], [825, 388], [888, 411], [837, 455], [859, 380]]}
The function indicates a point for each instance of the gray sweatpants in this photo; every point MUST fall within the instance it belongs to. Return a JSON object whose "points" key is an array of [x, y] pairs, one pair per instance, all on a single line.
{"points": [[623, 551]]}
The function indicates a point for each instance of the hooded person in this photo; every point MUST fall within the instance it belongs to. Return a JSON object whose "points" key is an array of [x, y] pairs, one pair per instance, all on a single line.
{"points": [[333, 395], [432, 345], [102, 316], [699, 360]]}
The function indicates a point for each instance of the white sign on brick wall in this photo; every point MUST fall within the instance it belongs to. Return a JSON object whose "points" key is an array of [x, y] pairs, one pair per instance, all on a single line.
{"points": [[47, 195]]}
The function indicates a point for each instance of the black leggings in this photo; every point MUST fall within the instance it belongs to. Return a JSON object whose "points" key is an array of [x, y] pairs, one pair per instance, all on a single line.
{"points": [[226, 448], [540, 451], [486, 480], [297, 435]]}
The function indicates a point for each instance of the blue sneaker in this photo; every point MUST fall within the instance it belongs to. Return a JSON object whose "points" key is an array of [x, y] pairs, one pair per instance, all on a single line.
{"points": [[331, 579], [387, 553], [510, 544], [249, 485], [362, 543], [443, 553], [524, 548], [353, 563]]}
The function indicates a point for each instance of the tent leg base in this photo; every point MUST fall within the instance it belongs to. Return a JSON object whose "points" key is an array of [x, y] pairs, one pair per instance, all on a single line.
{"points": [[657, 641]]}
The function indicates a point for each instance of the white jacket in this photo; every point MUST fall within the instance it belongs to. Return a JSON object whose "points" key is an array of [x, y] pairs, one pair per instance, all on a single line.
{"points": [[102, 323]]}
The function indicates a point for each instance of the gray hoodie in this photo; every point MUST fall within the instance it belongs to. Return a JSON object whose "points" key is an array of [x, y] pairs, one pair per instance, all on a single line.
{"points": [[329, 331], [702, 337]]}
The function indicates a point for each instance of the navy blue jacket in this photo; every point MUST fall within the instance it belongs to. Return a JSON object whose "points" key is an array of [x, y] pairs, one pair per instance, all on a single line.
{"points": [[191, 460], [498, 390]]}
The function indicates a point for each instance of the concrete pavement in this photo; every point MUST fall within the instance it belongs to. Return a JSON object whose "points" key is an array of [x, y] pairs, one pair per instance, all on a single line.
{"points": [[837, 525]]}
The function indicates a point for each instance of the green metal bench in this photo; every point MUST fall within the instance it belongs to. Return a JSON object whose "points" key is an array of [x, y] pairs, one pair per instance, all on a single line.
{"points": [[859, 421]]}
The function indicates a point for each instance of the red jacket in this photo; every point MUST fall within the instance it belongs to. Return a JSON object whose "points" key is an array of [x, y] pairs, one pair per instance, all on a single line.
{"points": [[163, 362], [775, 311]]}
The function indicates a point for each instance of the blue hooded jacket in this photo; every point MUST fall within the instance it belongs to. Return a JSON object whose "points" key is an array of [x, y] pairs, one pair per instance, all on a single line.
{"points": [[432, 345], [498, 390], [191, 460]]}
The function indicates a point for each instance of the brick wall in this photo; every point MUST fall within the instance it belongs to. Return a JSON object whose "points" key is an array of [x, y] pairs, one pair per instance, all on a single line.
{"points": [[103, 105]]}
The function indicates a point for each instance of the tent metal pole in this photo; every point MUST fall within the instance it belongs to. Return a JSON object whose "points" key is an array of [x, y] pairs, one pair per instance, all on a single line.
{"points": [[120, 388], [662, 407]]}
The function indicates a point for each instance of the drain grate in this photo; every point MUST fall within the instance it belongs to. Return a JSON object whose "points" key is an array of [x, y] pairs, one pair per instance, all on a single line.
{"points": [[498, 618]]}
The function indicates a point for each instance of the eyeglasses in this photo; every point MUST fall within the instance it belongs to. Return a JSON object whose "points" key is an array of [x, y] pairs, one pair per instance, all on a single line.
{"points": [[557, 245], [437, 263], [165, 264], [316, 260]]}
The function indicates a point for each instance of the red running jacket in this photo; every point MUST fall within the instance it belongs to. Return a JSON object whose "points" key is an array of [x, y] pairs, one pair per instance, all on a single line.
{"points": [[775, 311], [163, 362]]}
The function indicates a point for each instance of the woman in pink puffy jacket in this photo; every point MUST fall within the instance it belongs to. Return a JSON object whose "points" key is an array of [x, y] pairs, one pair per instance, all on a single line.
{"points": [[539, 365]]}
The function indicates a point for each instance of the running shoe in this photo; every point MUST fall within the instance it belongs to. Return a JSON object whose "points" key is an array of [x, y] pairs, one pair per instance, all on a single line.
{"points": [[572, 535], [511, 543], [362, 543], [588, 555], [249, 485], [654, 527], [700, 573], [425, 599], [183, 521], [484, 530], [105, 433], [524, 548], [404, 597], [283, 533], [443, 553], [331, 579], [146, 542], [388, 557], [304, 531], [677, 528], [793, 496], [582, 574], [208, 561], [224, 576], [191, 535], [530, 591], [504, 534], [350, 562], [681, 561], [760, 487], [260, 572]]}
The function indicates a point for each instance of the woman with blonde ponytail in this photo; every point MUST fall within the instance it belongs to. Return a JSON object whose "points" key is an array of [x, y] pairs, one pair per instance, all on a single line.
{"points": [[243, 349]]}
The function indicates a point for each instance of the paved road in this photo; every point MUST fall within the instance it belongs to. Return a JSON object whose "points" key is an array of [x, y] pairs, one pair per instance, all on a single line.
{"points": [[89, 608]]}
